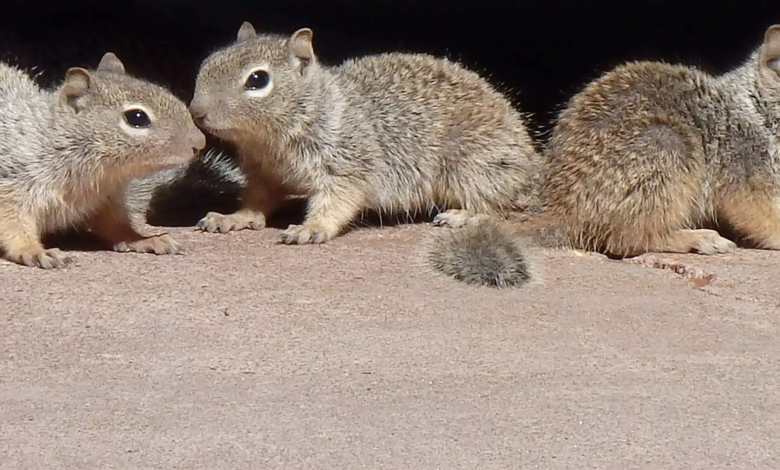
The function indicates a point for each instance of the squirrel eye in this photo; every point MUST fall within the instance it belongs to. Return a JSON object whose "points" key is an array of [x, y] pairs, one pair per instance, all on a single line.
{"points": [[137, 118], [257, 80]]}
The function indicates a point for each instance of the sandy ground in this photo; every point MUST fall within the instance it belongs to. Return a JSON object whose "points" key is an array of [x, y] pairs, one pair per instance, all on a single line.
{"points": [[247, 354]]}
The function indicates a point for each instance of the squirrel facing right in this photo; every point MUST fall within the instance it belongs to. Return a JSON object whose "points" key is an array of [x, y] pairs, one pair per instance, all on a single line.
{"points": [[66, 155], [653, 157], [398, 133]]}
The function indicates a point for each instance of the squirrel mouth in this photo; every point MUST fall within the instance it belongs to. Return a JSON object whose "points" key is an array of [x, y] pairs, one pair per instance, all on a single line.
{"points": [[222, 133], [171, 160], [206, 124]]}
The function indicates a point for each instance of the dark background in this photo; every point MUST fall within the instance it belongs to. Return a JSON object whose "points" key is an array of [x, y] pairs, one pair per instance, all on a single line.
{"points": [[539, 52]]}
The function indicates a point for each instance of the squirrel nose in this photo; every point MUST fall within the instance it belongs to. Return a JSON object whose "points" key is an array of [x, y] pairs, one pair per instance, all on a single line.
{"points": [[198, 140], [198, 110]]}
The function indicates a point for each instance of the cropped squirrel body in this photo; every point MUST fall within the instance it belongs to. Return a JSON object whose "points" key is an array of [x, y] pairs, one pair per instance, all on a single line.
{"points": [[66, 154], [391, 133], [653, 157]]}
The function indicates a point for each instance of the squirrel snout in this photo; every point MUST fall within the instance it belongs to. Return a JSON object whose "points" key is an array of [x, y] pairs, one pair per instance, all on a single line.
{"points": [[198, 110], [197, 140]]}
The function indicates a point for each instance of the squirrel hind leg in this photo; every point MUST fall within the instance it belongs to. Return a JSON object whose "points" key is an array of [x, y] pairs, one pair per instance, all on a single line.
{"points": [[638, 197], [481, 255]]}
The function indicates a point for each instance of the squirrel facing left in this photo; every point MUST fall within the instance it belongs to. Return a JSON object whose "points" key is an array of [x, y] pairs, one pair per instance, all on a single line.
{"points": [[66, 155], [392, 133]]}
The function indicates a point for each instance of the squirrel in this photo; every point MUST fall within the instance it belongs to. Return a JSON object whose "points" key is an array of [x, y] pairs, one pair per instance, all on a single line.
{"points": [[68, 152], [391, 133], [659, 158]]}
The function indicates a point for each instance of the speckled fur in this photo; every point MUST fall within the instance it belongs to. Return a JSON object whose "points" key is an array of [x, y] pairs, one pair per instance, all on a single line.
{"points": [[651, 157], [65, 155], [488, 254], [392, 133]]}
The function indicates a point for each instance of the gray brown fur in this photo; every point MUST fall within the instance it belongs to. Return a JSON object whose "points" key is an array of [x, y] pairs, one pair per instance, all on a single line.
{"points": [[653, 157], [391, 133], [66, 154], [488, 254]]}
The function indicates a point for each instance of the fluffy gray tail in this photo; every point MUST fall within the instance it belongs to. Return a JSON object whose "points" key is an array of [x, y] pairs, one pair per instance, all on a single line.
{"points": [[488, 254], [183, 194], [493, 253]]}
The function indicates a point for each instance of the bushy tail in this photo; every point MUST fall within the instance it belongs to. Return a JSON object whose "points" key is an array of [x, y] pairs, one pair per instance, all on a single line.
{"points": [[139, 192], [492, 253], [183, 194]]}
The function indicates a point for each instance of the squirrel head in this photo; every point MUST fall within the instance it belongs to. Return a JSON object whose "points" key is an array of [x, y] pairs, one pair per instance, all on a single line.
{"points": [[132, 124], [768, 71], [254, 85]]}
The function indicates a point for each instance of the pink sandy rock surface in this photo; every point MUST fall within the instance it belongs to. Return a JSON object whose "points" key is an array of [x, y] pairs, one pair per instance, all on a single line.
{"points": [[248, 354]]}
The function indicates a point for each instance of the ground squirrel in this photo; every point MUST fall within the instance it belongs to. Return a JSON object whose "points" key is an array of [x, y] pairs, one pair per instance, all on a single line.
{"points": [[67, 153], [389, 133], [653, 157]]}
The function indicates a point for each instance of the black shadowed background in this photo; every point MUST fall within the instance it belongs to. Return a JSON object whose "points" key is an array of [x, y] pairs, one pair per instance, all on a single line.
{"points": [[538, 52]]}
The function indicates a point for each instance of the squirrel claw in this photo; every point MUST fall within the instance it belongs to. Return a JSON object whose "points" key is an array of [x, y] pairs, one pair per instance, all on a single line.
{"points": [[158, 245], [215, 222], [304, 234], [46, 259]]}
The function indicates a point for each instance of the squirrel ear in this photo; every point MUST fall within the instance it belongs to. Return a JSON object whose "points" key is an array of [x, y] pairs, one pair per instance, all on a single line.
{"points": [[301, 44], [245, 32], [77, 84], [111, 63], [769, 56]]}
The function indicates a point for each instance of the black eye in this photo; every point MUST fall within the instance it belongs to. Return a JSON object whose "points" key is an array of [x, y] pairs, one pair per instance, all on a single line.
{"points": [[257, 80], [137, 118]]}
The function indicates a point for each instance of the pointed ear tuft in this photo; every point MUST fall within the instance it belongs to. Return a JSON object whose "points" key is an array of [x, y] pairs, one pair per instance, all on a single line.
{"points": [[246, 32], [77, 83], [111, 63], [301, 44]]}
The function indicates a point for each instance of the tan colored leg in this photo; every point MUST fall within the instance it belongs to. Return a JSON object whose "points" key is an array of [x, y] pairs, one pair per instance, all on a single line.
{"points": [[329, 212], [21, 243], [755, 217]]}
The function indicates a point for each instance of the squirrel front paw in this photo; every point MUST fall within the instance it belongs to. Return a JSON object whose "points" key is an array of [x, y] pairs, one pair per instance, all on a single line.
{"points": [[305, 234], [44, 259], [158, 244], [215, 222], [456, 218]]}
